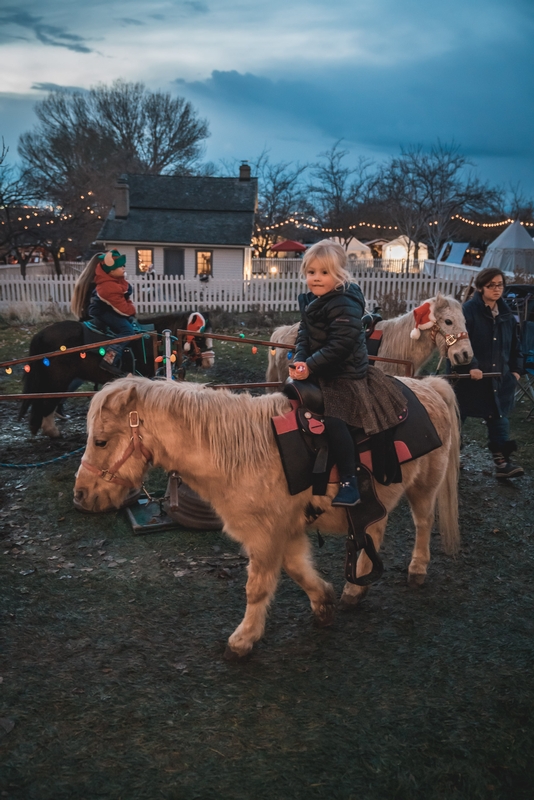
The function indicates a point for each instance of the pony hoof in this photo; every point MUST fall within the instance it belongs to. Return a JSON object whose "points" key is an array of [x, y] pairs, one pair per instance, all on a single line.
{"points": [[325, 614], [415, 579], [350, 600], [233, 655]]}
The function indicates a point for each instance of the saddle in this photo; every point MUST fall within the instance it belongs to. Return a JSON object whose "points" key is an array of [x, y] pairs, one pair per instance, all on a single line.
{"points": [[373, 338], [303, 445], [94, 331]]}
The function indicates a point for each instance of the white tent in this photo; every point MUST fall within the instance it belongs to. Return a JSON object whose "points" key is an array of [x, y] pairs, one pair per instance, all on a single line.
{"points": [[356, 249], [397, 250], [512, 250]]}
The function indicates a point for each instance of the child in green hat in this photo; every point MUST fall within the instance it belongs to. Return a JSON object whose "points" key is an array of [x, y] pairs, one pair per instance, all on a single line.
{"points": [[111, 305]]}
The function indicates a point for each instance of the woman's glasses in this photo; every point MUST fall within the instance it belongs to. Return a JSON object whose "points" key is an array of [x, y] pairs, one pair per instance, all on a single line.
{"points": [[494, 286]]}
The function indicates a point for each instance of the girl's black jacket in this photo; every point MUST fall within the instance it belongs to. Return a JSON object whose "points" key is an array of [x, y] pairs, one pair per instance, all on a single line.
{"points": [[331, 339]]}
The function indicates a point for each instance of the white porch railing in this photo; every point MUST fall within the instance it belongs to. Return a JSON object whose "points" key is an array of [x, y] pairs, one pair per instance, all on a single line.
{"points": [[165, 293]]}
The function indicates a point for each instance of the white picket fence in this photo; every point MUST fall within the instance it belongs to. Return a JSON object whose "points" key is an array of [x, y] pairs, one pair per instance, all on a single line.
{"points": [[285, 266], [165, 293]]}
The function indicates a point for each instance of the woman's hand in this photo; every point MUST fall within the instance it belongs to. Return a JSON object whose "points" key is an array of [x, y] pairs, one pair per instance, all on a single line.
{"points": [[516, 375], [476, 374], [299, 371]]}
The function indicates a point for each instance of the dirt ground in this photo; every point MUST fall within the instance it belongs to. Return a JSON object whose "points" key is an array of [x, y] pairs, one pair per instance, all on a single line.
{"points": [[112, 682]]}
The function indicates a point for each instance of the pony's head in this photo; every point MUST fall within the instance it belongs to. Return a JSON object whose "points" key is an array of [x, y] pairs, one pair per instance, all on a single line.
{"points": [[118, 451], [442, 317]]}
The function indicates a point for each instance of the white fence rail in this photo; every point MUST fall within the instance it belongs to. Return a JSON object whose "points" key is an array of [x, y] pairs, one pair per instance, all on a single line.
{"points": [[164, 293], [284, 266], [42, 268]]}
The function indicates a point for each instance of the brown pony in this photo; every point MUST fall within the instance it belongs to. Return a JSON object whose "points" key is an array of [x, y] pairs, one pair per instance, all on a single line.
{"points": [[223, 447], [396, 341]]}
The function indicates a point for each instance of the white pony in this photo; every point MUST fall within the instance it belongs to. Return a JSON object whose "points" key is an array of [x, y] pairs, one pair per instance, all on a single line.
{"points": [[448, 321], [223, 446]]}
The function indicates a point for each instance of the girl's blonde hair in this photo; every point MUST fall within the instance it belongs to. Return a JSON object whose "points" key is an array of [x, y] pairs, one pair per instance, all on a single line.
{"points": [[332, 257], [80, 299]]}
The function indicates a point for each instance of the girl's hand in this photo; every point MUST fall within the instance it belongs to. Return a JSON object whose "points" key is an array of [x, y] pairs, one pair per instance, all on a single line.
{"points": [[516, 375], [476, 374], [299, 371]]}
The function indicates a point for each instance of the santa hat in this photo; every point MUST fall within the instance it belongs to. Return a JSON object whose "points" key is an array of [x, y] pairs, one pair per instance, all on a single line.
{"points": [[424, 320], [196, 324]]}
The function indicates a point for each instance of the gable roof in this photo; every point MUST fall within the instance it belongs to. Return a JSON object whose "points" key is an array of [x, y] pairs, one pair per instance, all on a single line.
{"points": [[175, 209]]}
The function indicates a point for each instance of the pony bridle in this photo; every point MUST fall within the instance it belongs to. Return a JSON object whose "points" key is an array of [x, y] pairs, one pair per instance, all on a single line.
{"points": [[450, 338], [136, 449]]}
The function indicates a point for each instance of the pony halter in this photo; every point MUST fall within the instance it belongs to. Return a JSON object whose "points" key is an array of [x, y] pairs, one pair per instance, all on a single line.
{"points": [[135, 448], [450, 338]]}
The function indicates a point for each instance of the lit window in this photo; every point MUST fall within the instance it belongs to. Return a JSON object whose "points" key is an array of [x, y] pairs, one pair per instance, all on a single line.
{"points": [[204, 262], [145, 261]]}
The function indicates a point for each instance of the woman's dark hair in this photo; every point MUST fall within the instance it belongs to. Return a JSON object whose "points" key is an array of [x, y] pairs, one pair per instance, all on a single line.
{"points": [[486, 276]]}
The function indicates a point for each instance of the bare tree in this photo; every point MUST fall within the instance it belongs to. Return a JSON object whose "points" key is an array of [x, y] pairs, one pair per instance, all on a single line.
{"points": [[281, 196], [338, 192], [18, 229], [520, 206], [427, 190], [451, 191], [401, 191], [84, 140]]}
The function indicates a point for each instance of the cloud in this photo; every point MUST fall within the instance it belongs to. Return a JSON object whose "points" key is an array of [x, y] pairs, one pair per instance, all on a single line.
{"points": [[47, 34], [129, 21], [196, 6], [471, 96], [56, 87]]}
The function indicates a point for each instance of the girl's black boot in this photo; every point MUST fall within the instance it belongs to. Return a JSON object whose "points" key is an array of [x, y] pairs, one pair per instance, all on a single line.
{"points": [[348, 494]]}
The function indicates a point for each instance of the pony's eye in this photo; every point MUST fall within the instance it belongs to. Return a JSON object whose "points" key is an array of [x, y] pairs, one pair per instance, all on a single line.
{"points": [[100, 442], [448, 322]]}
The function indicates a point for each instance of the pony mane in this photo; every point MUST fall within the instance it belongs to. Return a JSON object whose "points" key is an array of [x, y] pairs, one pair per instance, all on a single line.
{"points": [[236, 428]]}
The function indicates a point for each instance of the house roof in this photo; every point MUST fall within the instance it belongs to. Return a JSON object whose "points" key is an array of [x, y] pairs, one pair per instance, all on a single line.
{"points": [[185, 210]]}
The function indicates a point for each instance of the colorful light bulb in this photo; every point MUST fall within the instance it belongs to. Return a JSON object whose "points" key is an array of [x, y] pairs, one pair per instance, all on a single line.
{"points": [[46, 362], [27, 368]]}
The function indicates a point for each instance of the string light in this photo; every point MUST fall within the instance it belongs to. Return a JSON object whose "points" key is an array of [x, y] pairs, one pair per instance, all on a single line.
{"points": [[46, 362], [27, 368], [83, 355], [273, 351], [102, 351], [63, 347], [8, 370], [254, 350], [322, 229]]}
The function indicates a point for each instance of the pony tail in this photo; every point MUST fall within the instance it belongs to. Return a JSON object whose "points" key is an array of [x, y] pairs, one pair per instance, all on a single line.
{"points": [[80, 297]]}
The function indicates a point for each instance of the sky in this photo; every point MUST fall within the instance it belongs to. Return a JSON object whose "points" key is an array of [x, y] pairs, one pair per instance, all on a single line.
{"points": [[295, 77]]}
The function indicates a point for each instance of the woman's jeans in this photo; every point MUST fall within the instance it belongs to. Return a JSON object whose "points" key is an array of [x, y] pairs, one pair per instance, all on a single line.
{"points": [[498, 429]]}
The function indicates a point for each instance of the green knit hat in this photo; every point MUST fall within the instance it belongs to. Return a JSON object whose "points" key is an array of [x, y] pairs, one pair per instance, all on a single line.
{"points": [[111, 260]]}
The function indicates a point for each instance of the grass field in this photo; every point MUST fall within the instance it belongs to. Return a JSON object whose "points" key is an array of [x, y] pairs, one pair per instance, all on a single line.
{"points": [[112, 678]]}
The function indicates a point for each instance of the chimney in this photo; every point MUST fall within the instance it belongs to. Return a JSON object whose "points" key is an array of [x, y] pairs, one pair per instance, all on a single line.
{"points": [[122, 198], [244, 171]]}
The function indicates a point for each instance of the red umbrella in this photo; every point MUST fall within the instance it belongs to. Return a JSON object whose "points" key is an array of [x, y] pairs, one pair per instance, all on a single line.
{"points": [[289, 246]]}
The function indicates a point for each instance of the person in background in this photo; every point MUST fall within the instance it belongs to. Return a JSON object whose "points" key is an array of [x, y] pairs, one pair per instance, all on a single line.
{"points": [[110, 304], [494, 336]]}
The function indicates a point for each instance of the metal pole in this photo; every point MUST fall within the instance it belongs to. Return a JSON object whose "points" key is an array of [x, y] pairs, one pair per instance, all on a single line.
{"points": [[168, 364]]}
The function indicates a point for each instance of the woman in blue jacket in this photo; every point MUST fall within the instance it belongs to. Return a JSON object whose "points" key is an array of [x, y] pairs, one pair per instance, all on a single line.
{"points": [[493, 332]]}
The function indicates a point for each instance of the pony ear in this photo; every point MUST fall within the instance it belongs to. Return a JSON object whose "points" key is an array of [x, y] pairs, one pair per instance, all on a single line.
{"points": [[119, 402]]}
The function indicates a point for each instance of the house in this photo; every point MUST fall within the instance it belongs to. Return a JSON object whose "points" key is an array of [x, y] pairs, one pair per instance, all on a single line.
{"points": [[183, 225], [399, 248]]}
